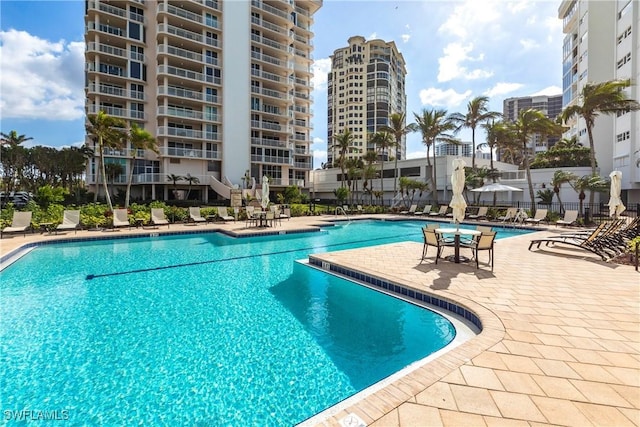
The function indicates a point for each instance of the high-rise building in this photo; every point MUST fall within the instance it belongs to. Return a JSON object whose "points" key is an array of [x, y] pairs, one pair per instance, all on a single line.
{"points": [[551, 106], [223, 86], [365, 86], [601, 43]]}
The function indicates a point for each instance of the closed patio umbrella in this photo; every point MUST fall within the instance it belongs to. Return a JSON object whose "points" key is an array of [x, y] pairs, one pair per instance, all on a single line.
{"points": [[458, 204], [265, 193], [615, 203]]}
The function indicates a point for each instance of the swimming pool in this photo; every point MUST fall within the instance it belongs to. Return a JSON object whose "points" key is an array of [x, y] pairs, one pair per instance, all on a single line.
{"points": [[202, 328]]}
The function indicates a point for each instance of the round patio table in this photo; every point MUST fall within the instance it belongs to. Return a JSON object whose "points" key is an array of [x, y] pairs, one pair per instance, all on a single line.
{"points": [[457, 232]]}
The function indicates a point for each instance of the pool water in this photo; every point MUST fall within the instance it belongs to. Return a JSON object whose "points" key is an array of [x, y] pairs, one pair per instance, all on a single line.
{"points": [[202, 329]]}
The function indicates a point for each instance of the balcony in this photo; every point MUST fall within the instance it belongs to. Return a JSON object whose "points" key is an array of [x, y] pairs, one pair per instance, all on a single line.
{"points": [[189, 133], [268, 59], [269, 142], [268, 76], [107, 49], [107, 29], [107, 8], [188, 74], [213, 4], [188, 35], [186, 54], [187, 94], [180, 113], [270, 9], [269, 26], [115, 91], [302, 165], [267, 42], [266, 125], [271, 93], [303, 40], [270, 159], [190, 153], [120, 112]]}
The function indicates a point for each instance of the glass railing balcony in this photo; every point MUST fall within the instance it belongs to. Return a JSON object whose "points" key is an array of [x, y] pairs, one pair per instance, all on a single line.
{"points": [[269, 26], [136, 17], [189, 133], [148, 178], [302, 11], [192, 153], [179, 93], [107, 29], [267, 58], [188, 74], [105, 48], [302, 39], [182, 13], [268, 142], [270, 9], [213, 4], [182, 53], [107, 8], [267, 76], [267, 42], [302, 165], [175, 112], [185, 34], [270, 159]]}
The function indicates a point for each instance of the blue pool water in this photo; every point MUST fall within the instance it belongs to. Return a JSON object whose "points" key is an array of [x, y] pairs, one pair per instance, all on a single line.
{"points": [[202, 329]]}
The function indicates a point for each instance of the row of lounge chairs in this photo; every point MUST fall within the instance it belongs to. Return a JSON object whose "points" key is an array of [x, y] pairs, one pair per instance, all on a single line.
{"points": [[21, 222], [607, 240]]}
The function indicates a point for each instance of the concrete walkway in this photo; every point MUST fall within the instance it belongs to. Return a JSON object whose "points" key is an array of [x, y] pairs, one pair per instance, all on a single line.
{"points": [[560, 342]]}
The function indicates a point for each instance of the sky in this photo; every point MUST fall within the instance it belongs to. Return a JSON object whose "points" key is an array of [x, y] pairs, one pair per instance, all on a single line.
{"points": [[455, 50]]}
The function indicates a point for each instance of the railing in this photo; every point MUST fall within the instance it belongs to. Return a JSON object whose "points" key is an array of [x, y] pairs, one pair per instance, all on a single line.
{"points": [[266, 75], [596, 212], [192, 153], [189, 133], [269, 26], [116, 112], [268, 142], [190, 35], [267, 42], [115, 91], [187, 94], [270, 9], [170, 9], [188, 74], [105, 48]]}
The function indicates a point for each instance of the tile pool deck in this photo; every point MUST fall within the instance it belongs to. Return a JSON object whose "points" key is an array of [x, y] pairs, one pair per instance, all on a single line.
{"points": [[560, 343]]}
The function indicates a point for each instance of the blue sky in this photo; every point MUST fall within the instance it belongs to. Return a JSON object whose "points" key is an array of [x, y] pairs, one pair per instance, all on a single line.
{"points": [[455, 50]]}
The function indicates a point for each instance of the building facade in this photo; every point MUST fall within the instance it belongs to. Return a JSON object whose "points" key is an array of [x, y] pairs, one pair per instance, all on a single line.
{"points": [[223, 86], [551, 106], [601, 43], [365, 86]]}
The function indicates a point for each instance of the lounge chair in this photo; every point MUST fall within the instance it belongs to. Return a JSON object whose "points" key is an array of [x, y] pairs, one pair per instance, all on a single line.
{"points": [[158, 217], [441, 212], [359, 209], [597, 242], [411, 210], [194, 215], [481, 214], [425, 211], [541, 215], [70, 221], [223, 214], [431, 238], [121, 218], [286, 213], [570, 218], [509, 215], [20, 223]]}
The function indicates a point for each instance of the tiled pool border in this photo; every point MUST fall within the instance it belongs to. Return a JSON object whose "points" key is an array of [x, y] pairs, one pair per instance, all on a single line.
{"points": [[406, 292]]}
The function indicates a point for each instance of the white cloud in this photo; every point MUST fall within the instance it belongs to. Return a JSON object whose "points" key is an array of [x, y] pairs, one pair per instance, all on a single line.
{"points": [[528, 44], [405, 37], [451, 64], [41, 79], [549, 91], [373, 36], [438, 97], [319, 157], [470, 17], [417, 154], [321, 68], [502, 88]]}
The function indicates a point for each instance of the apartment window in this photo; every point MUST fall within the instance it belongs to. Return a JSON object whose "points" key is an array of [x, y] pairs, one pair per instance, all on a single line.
{"points": [[134, 31], [624, 60], [210, 20], [623, 136], [135, 70]]}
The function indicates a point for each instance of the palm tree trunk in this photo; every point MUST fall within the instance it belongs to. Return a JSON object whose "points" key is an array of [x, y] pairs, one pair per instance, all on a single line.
{"points": [[104, 182], [395, 175], [434, 179], [382, 177], [473, 147], [129, 181], [525, 162], [592, 156]]}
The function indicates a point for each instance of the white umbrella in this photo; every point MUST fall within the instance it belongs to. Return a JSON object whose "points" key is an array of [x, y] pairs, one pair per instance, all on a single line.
{"points": [[495, 187], [265, 193], [458, 204], [615, 203]]}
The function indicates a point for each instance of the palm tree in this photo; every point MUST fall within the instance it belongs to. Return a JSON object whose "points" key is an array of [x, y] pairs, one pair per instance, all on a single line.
{"points": [[191, 180], [383, 140], [477, 113], [532, 122], [140, 139], [344, 143], [561, 177], [369, 171], [435, 126], [173, 178], [107, 132], [398, 128], [112, 172], [591, 183], [13, 157], [595, 98], [498, 136]]}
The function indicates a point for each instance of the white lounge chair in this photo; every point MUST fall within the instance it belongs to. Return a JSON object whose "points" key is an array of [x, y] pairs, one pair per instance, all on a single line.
{"points": [[541, 215], [223, 214], [441, 212], [411, 210], [158, 217], [570, 218], [425, 211], [21, 222], [509, 215], [121, 218], [194, 215], [70, 221], [482, 213]]}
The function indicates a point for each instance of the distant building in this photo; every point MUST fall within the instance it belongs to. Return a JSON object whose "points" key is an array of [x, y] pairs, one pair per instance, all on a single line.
{"points": [[459, 150], [601, 43], [365, 86], [551, 106]]}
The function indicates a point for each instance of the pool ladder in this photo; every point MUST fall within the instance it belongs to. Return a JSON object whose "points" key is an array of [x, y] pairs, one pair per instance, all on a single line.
{"points": [[341, 209]]}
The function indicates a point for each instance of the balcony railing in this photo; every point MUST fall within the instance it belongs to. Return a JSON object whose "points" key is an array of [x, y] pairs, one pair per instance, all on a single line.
{"points": [[189, 133], [268, 76], [266, 125], [187, 54], [267, 58], [267, 42], [116, 112], [190, 35], [269, 26], [172, 10], [115, 91], [269, 142], [107, 8], [270, 159], [188, 74], [187, 94], [271, 93], [108, 29], [192, 153], [270, 9], [105, 48]]}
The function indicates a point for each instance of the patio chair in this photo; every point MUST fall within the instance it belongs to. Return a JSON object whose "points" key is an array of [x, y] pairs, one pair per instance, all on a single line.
{"points": [[509, 215], [223, 214], [70, 221], [425, 211], [121, 218], [252, 216], [286, 213], [484, 242], [158, 217], [411, 210], [481, 214], [194, 215], [20, 223], [431, 238], [541, 215], [570, 218], [441, 212]]}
